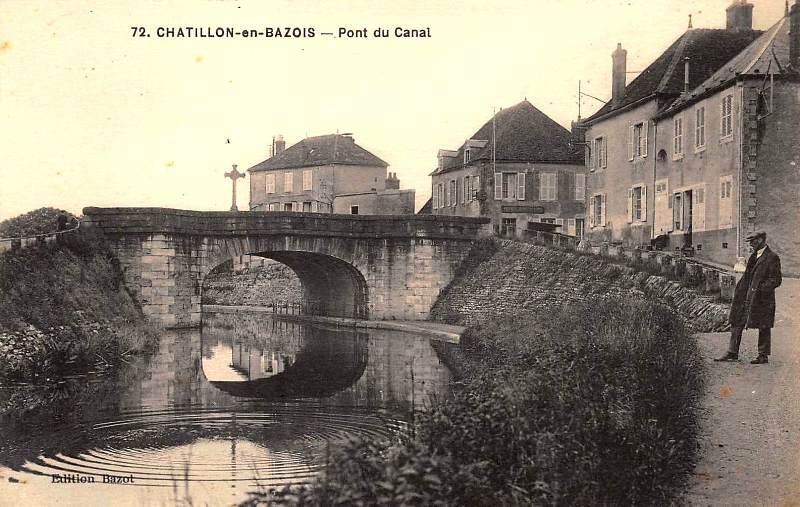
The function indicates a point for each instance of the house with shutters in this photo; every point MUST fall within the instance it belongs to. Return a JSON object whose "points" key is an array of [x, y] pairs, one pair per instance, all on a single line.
{"points": [[519, 167], [327, 174], [703, 147]]}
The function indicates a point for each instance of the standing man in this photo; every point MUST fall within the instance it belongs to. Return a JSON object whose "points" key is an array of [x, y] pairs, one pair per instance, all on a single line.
{"points": [[754, 299]]}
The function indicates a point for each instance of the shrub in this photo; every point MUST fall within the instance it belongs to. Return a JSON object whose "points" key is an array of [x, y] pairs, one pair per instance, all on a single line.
{"points": [[38, 221], [576, 406]]}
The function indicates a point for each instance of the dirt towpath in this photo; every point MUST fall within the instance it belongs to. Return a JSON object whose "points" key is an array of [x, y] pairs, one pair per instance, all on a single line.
{"points": [[751, 424]]}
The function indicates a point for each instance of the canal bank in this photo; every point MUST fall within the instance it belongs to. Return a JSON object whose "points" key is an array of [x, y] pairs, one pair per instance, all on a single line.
{"points": [[445, 332]]}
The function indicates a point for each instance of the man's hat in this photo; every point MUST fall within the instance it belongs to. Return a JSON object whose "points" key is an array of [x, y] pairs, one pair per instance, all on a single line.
{"points": [[756, 235]]}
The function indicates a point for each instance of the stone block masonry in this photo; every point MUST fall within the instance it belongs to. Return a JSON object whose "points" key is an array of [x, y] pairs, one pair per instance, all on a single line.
{"points": [[382, 267]]}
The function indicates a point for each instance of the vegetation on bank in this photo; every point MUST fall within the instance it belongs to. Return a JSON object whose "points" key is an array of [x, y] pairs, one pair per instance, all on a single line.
{"points": [[36, 222], [65, 311], [578, 406]]}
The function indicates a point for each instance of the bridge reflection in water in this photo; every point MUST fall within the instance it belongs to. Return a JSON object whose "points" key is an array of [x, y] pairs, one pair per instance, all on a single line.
{"points": [[247, 403]]}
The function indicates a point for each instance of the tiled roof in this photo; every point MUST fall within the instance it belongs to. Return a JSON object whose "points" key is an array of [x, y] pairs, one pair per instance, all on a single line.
{"points": [[708, 50], [321, 150], [766, 55], [427, 208], [522, 134]]}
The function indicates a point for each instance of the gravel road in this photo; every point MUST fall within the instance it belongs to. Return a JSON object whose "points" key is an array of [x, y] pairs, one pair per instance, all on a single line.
{"points": [[751, 424]]}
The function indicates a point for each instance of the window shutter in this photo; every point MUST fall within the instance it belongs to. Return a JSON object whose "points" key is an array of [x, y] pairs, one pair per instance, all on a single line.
{"points": [[604, 142], [592, 154], [630, 142], [602, 209], [521, 186], [498, 186], [645, 128], [435, 193], [630, 205], [591, 211], [644, 204], [476, 185]]}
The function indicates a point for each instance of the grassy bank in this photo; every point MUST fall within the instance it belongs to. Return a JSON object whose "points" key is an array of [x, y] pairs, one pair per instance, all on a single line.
{"points": [[64, 311], [578, 406]]}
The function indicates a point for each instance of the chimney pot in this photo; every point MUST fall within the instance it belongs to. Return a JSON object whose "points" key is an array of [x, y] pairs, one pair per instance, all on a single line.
{"points": [[618, 77], [739, 16], [278, 145]]}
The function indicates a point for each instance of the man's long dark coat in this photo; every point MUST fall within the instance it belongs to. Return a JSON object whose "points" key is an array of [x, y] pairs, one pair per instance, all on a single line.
{"points": [[754, 298]]}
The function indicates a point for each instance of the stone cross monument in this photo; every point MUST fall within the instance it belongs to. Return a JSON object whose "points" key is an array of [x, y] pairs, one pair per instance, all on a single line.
{"points": [[234, 175]]}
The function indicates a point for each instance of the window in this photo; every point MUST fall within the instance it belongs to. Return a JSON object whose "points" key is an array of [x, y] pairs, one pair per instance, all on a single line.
{"points": [[270, 183], [597, 208], [547, 187], [466, 154], [453, 197], [677, 137], [637, 140], [287, 182], [509, 186], [465, 197], [476, 183], [307, 206], [725, 201], [441, 190], [547, 220], [599, 157], [307, 180], [700, 128], [580, 187], [726, 126], [287, 206], [354, 209], [637, 204], [435, 196], [570, 226], [273, 206], [459, 191]]}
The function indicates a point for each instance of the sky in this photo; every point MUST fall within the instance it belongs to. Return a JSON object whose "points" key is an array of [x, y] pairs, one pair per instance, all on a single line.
{"points": [[93, 114]]}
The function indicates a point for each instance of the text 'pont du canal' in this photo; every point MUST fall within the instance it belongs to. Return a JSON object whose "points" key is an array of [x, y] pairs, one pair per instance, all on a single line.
{"points": [[276, 32]]}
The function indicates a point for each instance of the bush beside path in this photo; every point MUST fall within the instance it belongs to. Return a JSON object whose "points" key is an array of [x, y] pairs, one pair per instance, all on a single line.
{"points": [[751, 423]]}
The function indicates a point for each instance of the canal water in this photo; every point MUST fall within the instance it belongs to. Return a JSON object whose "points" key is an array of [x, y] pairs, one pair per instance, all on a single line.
{"points": [[245, 404]]}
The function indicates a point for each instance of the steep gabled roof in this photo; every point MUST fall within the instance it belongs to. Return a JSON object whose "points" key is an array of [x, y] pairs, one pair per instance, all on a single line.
{"points": [[321, 150], [522, 133], [768, 54], [708, 50]]}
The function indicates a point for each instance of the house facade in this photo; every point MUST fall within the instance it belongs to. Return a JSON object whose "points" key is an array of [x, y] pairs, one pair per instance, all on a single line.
{"points": [[518, 168], [327, 174], [703, 146]]}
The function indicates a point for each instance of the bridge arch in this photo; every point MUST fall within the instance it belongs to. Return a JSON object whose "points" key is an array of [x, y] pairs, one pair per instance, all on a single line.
{"points": [[336, 287]]}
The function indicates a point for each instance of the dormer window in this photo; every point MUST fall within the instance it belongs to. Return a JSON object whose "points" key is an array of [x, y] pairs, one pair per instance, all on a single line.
{"points": [[466, 155]]}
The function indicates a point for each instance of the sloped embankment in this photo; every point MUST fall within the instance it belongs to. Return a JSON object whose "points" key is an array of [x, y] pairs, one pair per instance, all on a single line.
{"points": [[503, 277]]}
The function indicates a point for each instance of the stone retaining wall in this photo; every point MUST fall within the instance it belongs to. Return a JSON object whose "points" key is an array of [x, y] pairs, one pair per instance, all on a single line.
{"points": [[520, 276]]}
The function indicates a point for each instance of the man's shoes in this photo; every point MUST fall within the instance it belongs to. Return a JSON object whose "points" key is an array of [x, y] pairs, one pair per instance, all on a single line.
{"points": [[760, 360], [728, 357]]}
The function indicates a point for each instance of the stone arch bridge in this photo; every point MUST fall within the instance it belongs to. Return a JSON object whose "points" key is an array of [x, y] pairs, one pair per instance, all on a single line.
{"points": [[367, 266]]}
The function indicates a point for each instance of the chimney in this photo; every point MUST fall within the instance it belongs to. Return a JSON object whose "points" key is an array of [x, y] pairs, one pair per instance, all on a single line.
{"points": [[794, 36], [392, 183], [618, 59], [739, 16], [278, 145]]}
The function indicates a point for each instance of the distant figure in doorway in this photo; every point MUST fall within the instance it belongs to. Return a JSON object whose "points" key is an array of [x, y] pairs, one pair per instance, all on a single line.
{"points": [[754, 299]]}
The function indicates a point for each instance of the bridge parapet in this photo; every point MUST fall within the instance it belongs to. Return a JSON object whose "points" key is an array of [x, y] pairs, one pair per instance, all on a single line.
{"points": [[214, 223], [369, 266]]}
